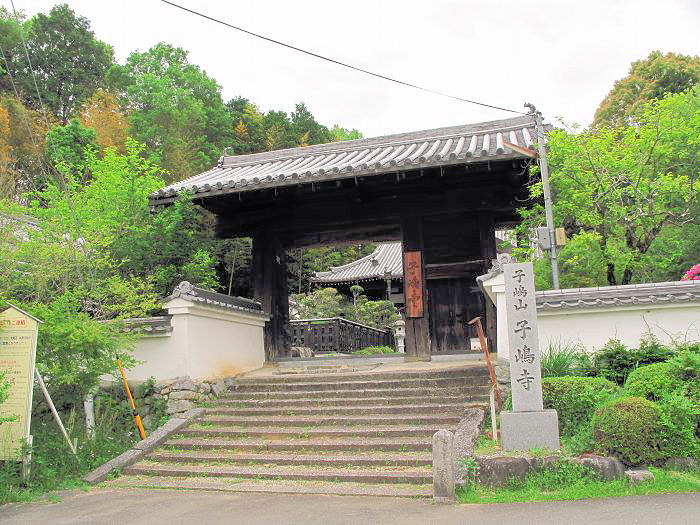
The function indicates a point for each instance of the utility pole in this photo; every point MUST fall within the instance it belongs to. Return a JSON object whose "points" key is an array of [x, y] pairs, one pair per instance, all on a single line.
{"points": [[544, 170]]}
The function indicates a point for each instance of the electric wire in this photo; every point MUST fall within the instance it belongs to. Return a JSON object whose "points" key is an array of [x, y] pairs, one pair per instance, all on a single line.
{"points": [[338, 62]]}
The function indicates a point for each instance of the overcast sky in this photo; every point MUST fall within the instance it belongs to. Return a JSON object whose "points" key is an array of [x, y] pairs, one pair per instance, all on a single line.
{"points": [[561, 55]]}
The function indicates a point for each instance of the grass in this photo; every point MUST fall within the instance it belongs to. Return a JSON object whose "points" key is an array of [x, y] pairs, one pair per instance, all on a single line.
{"points": [[542, 487]]}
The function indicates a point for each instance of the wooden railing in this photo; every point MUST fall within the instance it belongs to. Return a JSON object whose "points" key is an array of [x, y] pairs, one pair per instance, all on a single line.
{"points": [[337, 335]]}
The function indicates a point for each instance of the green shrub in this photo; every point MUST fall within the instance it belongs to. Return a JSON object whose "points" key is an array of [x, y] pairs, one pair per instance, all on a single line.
{"points": [[629, 428], [679, 433], [564, 359], [575, 399], [615, 361], [652, 382], [374, 350]]}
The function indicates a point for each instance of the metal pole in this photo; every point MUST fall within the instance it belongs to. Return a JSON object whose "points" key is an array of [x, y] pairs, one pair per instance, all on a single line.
{"points": [[544, 170], [134, 412], [53, 410]]}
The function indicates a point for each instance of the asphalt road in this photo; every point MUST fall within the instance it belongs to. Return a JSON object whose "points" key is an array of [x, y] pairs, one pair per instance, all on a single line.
{"points": [[136, 506]]}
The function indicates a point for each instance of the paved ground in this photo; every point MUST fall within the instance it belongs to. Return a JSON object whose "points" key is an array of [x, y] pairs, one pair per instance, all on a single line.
{"points": [[138, 507]]}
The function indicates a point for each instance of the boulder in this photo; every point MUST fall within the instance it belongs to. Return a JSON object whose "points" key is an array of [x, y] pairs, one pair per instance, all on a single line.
{"points": [[640, 475], [680, 463], [607, 467], [218, 387], [184, 394], [204, 388], [176, 406], [229, 382], [496, 471], [183, 383]]}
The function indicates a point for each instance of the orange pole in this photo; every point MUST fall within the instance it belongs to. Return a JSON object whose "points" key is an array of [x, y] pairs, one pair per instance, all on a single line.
{"points": [[137, 418], [485, 348]]}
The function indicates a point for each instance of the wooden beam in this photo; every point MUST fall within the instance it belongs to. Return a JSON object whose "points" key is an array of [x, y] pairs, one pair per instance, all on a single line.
{"points": [[417, 328], [453, 270], [487, 241], [269, 271]]}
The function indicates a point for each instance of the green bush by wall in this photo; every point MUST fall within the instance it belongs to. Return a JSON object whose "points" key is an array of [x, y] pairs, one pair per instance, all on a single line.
{"points": [[575, 398]]}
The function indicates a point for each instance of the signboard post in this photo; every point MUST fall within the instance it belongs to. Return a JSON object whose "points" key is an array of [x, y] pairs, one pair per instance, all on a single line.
{"points": [[527, 425], [413, 284], [18, 337]]}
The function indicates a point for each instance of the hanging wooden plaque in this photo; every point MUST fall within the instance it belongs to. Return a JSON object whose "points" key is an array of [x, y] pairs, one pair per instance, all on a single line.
{"points": [[413, 284]]}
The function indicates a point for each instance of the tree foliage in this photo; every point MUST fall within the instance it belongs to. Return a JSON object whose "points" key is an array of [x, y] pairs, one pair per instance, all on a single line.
{"points": [[648, 79], [176, 109], [622, 193], [67, 62]]}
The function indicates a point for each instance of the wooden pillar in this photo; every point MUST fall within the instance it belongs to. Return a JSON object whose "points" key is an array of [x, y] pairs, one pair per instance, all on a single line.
{"points": [[417, 326], [269, 269], [487, 241]]}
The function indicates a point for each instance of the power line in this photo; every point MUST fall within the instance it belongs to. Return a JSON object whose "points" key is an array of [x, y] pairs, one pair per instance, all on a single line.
{"points": [[338, 62]]}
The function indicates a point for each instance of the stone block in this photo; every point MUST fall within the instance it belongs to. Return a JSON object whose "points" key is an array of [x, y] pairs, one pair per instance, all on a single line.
{"points": [[183, 394], [183, 383], [218, 387], [159, 435], [538, 463], [497, 471], [680, 463], [102, 472], [443, 467], [527, 430], [607, 467], [637, 476], [179, 405], [204, 388], [467, 432]]}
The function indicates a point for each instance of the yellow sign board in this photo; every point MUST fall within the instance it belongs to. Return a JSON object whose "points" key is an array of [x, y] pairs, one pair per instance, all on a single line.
{"points": [[18, 333]]}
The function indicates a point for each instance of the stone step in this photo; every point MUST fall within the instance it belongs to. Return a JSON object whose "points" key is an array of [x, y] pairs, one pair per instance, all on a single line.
{"points": [[272, 486], [334, 402], [308, 433], [332, 409], [284, 421], [431, 383], [359, 394], [319, 377], [321, 446], [145, 468], [326, 459]]}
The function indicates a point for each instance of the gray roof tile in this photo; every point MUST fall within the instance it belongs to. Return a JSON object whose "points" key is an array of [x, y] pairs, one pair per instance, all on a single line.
{"points": [[364, 157]]}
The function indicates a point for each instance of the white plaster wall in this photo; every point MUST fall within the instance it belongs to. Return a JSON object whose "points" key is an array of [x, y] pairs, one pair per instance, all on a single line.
{"points": [[593, 327], [205, 342]]}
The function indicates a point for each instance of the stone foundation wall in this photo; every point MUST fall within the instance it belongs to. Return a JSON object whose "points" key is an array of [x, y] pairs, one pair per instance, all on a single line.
{"points": [[182, 393]]}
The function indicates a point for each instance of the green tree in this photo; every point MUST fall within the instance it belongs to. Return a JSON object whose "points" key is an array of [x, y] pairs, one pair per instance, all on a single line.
{"points": [[67, 145], [176, 110], [648, 79], [342, 134], [623, 193], [68, 62]]}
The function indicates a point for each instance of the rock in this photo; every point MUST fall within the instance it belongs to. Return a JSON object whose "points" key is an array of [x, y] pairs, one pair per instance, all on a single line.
{"points": [[301, 351], [637, 476], [540, 463], [218, 388], [204, 388], [183, 383], [160, 385], [149, 421], [184, 394], [496, 471], [229, 382], [680, 463], [443, 467], [176, 406], [147, 400], [607, 467], [165, 391]]}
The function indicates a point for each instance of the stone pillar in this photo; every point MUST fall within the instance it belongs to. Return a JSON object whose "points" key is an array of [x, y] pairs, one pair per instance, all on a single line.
{"points": [[528, 425], [443, 467]]}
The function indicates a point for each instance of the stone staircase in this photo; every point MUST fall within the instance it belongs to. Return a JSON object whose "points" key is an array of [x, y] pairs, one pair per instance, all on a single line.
{"points": [[362, 433]]}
